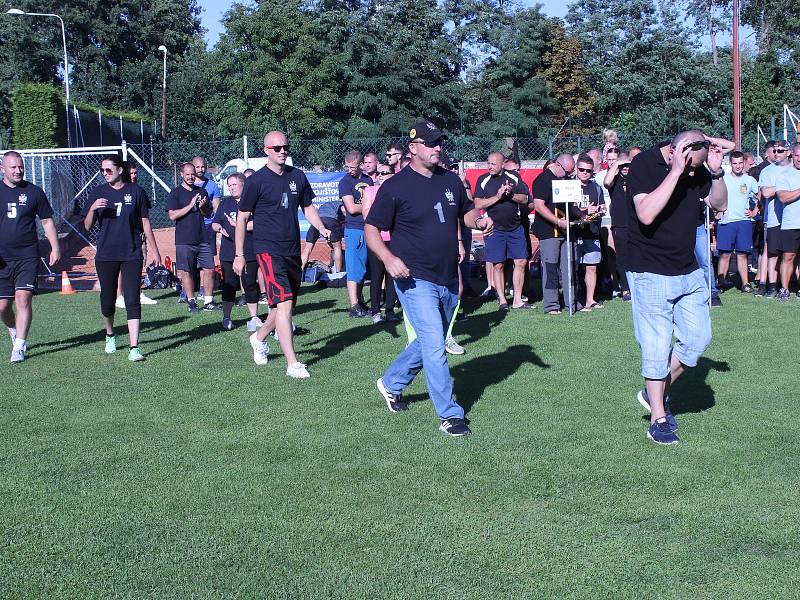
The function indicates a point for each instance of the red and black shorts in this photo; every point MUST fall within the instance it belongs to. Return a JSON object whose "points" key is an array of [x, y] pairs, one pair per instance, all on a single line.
{"points": [[282, 276]]}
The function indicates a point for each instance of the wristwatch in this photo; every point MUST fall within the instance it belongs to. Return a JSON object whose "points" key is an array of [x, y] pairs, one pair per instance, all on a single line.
{"points": [[718, 175]]}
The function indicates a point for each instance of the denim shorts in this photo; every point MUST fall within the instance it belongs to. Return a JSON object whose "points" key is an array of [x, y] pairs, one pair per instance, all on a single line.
{"points": [[665, 306], [355, 254]]}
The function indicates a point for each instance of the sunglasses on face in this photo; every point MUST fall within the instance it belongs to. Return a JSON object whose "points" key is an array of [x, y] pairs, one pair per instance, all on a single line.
{"points": [[285, 148], [384, 172], [780, 150], [624, 165], [695, 146], [109, 171], [582, 170], [612, 151], [432, 144], [392, 154]]}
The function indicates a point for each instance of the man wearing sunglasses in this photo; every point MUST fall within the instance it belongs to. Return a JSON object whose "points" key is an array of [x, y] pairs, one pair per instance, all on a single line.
{"points": [[788, 194], [422, 207], [394, 153], [670, 295], [550, 228], [767, 181], [273, 196], [351, 191]]}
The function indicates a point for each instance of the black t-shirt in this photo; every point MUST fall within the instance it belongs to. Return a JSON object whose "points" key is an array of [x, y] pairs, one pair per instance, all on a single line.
{"points": [[666, 246], [505, 212], [542, 189], [189, 229], [354, 186], [19, 207], [423, 216], [592, 194], [755, 171], [620, 202], [274, 200], [229, 208], [120, 222]]}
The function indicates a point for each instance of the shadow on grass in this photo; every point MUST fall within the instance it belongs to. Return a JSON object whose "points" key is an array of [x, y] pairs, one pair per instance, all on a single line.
{"points": [[185, 337], [692, 394], [471, 378], [478, 327], [99, 335], [331, 345]]}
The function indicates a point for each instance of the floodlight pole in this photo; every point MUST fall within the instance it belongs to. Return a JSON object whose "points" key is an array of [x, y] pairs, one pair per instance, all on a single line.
{"points": [[163, 49], [16, 11], [737, 97]]}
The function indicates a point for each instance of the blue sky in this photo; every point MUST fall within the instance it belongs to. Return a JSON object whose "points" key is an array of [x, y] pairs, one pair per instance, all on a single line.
{"points": [[214, 9]]}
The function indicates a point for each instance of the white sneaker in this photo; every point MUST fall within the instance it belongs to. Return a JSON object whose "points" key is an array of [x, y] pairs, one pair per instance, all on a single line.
{"points": [[253, 324], [12, 333], [452, 346], [297, 371], [18, 355], [260, 350], [145, 300], [120, 303]]}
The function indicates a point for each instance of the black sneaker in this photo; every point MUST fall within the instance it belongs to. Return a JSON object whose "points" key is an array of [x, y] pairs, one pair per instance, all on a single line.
{"points": [[357, 312], [644, 400], [454, 427], [193, 306], [760, 290], [747, 288], [783, 295], [241, 301], [771, 292], [300, 330], [716, 301], [391, 317], [626, 296], [660, 433], [212, 306], [394, 402]]}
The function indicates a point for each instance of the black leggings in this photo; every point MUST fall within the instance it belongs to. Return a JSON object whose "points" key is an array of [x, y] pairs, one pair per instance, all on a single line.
{"points": [[230, 282], [107, 274], [377, 273]]}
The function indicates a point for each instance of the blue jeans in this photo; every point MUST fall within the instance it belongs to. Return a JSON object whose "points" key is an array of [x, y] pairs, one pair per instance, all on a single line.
{"points": [[429, 307], [701, 255], [355, 254], [664, 306]]}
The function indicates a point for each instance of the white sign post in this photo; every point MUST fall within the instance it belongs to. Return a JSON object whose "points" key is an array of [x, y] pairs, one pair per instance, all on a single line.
{"points": [[566, 191]]}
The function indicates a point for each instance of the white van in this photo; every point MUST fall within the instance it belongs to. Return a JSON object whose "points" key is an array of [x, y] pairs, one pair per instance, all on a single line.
{"points": [[239, 165]]}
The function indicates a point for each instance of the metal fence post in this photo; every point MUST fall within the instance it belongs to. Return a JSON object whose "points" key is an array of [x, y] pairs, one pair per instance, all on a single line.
{"points": [[244, 154], [550, 149]]}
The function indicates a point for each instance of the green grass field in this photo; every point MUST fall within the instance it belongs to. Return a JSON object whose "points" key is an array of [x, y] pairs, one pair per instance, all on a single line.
{"points": [[197, 474]]}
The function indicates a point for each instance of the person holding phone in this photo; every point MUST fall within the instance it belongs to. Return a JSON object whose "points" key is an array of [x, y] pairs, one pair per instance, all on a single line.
{"points": [[122, 213]]}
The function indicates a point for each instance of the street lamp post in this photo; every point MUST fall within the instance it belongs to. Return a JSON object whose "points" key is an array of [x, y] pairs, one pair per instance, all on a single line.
{"points": [[163, 49], [16, 11]]}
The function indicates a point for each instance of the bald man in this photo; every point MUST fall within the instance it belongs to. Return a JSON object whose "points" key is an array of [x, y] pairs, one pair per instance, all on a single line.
{"points": [[208, 249], [272, 196]]}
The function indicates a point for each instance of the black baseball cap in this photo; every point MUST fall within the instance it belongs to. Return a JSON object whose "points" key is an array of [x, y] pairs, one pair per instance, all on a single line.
{"points": [[427, 132]]}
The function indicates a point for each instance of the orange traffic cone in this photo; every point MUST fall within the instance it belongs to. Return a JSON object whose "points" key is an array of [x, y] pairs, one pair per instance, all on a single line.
{"points": [[66, 284]]}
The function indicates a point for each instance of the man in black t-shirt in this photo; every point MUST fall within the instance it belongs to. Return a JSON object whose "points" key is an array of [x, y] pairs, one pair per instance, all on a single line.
{"points": [[550, 227], [351, 192], [501, 196], [670, 295], [187, 205], [616, 182], [588, 251], [272, 197], [422, 207], [21, 203]]}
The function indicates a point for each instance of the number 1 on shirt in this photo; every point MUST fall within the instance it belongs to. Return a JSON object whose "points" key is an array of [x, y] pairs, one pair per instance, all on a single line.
{"points": [[438, 208]]}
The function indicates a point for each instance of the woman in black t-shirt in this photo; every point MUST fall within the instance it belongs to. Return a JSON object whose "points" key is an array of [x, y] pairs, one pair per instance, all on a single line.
{"points": [[121, 211]]}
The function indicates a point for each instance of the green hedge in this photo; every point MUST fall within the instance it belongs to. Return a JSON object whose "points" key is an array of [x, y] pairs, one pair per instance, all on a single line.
{"points": [[38, 118]]}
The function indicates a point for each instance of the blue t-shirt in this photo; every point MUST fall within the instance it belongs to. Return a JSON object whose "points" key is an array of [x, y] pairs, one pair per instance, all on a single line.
{"points": [[769, 178], [330, 210], [354, 186], [741, 190], [274, 201], [228, 209], [423, 216], [120, 222], [189, 228], [210, 186], [19, 207], [789, 181]]}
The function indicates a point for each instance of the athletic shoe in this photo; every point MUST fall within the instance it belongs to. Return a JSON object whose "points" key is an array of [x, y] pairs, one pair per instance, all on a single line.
{"points": [[120, 303], [297, 330], [716, 301], [357, 312], [771, 292], [394, 402], [262, 299], [461, 316], [644, 400], [17, 354], [377, 318], [798, 294], [297, 371], [135, 355], [452, 346], [212, 306], [503, 308], [227, 324], [12, 333], [454, 427], [182, 297], [193, 307], [783, 295], [241, 301], [253, 324], [626, 296], [145, 300], [489, 294], [260, 350], [391, 317], [111, 344], [747, 288], [661, 433], [760, 290]]}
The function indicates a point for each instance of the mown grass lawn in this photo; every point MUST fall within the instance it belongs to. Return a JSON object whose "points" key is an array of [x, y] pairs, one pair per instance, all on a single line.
{"points": [[197, 474]]}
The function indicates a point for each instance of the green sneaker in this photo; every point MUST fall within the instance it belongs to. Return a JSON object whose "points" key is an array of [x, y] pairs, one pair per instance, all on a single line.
{"points": [[135, 355], [111, 344]]}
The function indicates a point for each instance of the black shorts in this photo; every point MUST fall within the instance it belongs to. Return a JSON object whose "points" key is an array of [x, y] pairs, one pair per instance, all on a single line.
{"points": [[189, 257], [774, 240], [789, 240], [21, 274], [282, 276], [312, 235]]}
